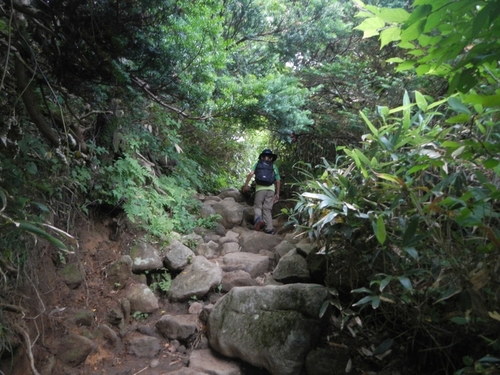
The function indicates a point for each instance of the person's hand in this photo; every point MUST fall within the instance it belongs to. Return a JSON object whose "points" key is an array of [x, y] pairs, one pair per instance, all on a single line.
{"points": [[276, 198], [244, 188]]}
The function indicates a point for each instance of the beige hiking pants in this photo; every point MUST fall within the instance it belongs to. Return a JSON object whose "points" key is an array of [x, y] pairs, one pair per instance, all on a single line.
{"points": [[263, 204]]}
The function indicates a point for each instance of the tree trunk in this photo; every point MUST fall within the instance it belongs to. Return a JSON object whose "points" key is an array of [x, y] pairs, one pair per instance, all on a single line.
{"points": [[25, 90]]}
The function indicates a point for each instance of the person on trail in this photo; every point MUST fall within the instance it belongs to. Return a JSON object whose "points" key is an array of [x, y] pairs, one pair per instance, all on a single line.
{"points": [[267, 190]]}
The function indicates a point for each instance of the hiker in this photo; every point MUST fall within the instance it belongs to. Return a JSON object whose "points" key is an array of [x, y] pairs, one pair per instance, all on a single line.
{"points": [[267, 190]]}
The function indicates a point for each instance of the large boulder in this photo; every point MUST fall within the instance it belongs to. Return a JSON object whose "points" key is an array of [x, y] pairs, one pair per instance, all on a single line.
{"points": [[281, 323], [196, 280], [252, 241], [231, 212], [145, 257]]}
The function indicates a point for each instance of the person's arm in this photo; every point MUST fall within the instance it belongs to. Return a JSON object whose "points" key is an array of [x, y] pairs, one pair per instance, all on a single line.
{"points": [[277, 184], [249, 177]]}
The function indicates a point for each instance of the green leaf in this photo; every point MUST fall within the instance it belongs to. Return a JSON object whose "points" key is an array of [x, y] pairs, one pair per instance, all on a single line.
{"points": [[458, 119], [405, 281], [372, 128], [417, 168], [490, 163], [448, 293], [362, 290], [363, 301], [421, 101], [406, 65], [459, 320], [370, 26], [379, 228], [383, 347], [391, 34], [395, 60], [323, 308], [458, 106], [3, 198], [384, 283], [410, 231], [396, 15], [411, 251], [29, 227]]}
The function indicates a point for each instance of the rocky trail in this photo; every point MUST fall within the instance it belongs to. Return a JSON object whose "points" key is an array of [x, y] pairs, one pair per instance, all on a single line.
{"points": [[234, 301]]}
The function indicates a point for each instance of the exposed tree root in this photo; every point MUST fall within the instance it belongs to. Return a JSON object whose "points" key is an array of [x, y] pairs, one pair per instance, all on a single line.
{"points": [[27, 342]]}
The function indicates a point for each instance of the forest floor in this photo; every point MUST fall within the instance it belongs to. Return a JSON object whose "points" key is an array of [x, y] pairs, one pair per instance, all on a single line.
{"points": [[100, 243]]}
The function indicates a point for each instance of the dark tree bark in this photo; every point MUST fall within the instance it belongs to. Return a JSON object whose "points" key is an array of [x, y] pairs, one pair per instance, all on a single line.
{"points": [[31, 102]]}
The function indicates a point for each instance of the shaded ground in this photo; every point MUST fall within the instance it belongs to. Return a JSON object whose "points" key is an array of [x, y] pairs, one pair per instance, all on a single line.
{"points": [[101, 242]]}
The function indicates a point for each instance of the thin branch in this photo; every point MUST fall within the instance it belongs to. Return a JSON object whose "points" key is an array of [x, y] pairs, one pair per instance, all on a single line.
{"points": [[144, 86]]}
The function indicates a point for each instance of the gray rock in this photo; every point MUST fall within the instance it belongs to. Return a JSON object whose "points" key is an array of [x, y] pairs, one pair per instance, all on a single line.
{"points": [[325, 361], [283, 248], [212, 237], [141, 298], [145, 257], [292, 268], [72, 275], [209, 362], [74, 349], [143, 346], [229, 247], [253, 242], [177, 327], [231, 212], [305, 247], [254, 264], [119, 272], [196, 280], [187, 371], [237, 278], [207, 210], [231, 193], [195, 308], [110, 336], [281, 323], [209, 250], [177, 256]]}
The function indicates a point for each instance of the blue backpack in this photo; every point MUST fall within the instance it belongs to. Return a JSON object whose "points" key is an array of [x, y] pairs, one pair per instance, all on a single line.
{"points": [[264, 173]]}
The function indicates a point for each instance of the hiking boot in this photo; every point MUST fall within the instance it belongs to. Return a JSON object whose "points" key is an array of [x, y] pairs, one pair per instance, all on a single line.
{"points": [[258, 224], [270, 231]]}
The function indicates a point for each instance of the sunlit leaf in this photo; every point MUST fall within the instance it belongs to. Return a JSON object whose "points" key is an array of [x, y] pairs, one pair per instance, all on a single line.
{"points": [[494, 315], [391, 34], [379, 227], [421, 101], [370, 26]]}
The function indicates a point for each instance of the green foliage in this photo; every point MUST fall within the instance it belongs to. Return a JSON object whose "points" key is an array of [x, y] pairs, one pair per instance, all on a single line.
{"points": [[455, 39], [417, 206], [161, 281], [158, 204], [138, 316]]}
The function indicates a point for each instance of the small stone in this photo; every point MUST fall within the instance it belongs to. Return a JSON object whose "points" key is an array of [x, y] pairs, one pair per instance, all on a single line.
{"points": [[154, 363]]}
